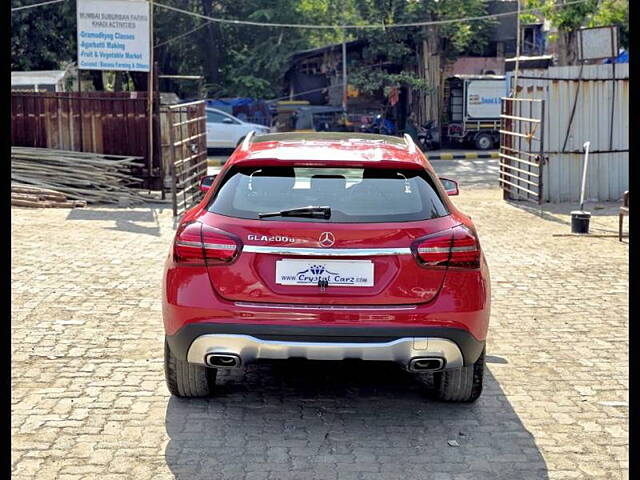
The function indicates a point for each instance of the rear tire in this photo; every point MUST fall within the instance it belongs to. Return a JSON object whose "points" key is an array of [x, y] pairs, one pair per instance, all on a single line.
{"points": [[186, 379], [462, 384], [484, 141]]}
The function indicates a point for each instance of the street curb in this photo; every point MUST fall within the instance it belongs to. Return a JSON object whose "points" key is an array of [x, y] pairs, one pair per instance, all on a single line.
{"points": [[215, 163], [462, 156]]}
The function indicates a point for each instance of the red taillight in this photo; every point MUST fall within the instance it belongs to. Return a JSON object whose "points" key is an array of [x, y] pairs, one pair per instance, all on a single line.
{"points": [[465, 251], [197, 243], [188, 244], [455, 247], [219, 246]]}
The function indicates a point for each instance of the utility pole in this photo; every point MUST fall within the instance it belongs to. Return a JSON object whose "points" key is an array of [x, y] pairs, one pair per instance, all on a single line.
{"points": [[517, 70], [150, 85], [344, 69], [344, 60]]}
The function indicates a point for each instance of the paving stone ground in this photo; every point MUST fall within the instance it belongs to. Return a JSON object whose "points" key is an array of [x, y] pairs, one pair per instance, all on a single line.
{"points": [[89, 399]]}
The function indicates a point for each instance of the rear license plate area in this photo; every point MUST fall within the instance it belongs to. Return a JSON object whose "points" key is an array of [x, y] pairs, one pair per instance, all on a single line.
{"points": [[312, 272]]}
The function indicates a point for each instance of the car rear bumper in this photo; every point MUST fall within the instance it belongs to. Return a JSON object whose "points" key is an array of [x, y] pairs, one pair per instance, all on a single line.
{"points": [[192, 309], [249, 342]]}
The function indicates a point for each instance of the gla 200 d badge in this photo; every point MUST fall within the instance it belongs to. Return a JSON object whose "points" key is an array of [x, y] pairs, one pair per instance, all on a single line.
{"points": [[326, 239], [273, 238]]}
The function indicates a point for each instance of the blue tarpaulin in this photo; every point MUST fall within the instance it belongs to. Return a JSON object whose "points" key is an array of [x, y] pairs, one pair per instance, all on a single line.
{"points": [[245, 108], [233, 102], [622, 58]]}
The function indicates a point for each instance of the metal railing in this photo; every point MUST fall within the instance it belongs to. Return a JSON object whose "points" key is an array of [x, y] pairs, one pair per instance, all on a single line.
{"points": [[522, 149], [187, 144]]}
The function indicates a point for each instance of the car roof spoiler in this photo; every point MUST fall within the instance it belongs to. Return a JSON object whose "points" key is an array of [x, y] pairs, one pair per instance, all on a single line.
{"points": [[408, 140], [247, 140], [411, 146]]}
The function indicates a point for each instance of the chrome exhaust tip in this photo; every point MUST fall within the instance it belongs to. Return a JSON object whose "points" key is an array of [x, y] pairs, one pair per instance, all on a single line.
{"points": [[222, 360], [426, 364]]}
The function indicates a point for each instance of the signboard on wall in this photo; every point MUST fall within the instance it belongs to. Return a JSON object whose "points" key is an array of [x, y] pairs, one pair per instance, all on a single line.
{"points": [[483, 98], [597, 43], [113, 35]]}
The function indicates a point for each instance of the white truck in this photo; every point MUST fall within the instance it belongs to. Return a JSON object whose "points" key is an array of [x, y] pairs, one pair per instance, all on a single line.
{"points": [[472, 109]]}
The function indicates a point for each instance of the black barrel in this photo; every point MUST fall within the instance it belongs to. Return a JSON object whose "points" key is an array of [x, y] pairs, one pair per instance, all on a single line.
{"points": [[580, 221]]}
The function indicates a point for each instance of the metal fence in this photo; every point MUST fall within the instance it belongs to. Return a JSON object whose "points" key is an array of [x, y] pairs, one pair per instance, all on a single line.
{"points": [[113, 123], [184, 146], [583, 103]]}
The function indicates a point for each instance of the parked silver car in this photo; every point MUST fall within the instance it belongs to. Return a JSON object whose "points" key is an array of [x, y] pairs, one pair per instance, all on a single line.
{"points": [[226, 131]]}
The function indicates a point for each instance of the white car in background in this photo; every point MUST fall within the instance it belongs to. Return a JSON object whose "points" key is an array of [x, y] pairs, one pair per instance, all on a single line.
{"points": [[227, 131]]}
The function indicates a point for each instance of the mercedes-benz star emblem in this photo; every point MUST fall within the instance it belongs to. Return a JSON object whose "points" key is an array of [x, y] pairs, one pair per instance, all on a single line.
{"points": [[326, 239]]}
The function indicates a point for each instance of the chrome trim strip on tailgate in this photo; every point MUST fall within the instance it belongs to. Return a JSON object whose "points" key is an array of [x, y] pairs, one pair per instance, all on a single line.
{"points": [[297, 306], [327, 252]]}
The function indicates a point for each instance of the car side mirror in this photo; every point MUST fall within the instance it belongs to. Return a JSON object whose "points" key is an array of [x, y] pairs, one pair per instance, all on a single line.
{"points": [[206, 182], [227, 120], [450, 186]]}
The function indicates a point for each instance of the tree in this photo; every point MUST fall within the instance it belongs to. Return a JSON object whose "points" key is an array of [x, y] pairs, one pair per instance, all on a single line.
{"points": [[253, 60], [419, 50], [250, 60], [43, 38], [568, 19], [613, 12], [190, 54], [258, 57], [238, 59]]}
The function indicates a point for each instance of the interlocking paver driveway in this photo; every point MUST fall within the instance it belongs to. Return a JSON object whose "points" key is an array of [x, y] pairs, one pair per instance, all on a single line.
{"points": [[89, 399]]}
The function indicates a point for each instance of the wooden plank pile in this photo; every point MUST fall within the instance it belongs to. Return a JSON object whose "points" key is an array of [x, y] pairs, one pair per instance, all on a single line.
{"points": [[90, 177], [23, 196]]}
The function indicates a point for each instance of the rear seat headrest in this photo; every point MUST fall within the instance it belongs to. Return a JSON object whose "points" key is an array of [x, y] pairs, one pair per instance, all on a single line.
{"points": [[285, 179], [328, 182]]}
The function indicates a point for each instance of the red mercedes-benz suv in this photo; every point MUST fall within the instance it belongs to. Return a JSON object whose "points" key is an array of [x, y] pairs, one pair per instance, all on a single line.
{"points": [[327, 246]]}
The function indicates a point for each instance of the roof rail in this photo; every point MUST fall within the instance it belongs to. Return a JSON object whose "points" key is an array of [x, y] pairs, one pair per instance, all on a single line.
{"points": [[410, 143], [247, 140]]}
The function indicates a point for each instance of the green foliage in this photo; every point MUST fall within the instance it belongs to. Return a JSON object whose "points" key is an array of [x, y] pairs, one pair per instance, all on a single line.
{"points": [[398, 45], [370, 81], [468, 37], [256, 58], [43, 38], [251, 61], [591, 13], [613, 12]]}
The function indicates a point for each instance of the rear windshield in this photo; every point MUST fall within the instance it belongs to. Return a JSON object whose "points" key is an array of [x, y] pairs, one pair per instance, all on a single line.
{"points": [[355, 195]]}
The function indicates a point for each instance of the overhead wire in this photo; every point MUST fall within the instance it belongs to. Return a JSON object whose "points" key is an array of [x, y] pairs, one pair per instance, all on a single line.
{"points": [[308, 26], [178, 37], [383, 26], [24, 7], [359, 27]]}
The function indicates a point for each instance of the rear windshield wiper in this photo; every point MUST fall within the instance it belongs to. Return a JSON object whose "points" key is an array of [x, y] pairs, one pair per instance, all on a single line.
{"points": [[313, 212]]}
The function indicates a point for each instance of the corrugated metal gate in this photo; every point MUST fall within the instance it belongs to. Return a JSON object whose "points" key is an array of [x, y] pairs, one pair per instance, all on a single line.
{"points": [[186, 144], [583, 103], [522, 149], [115, 123]]}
